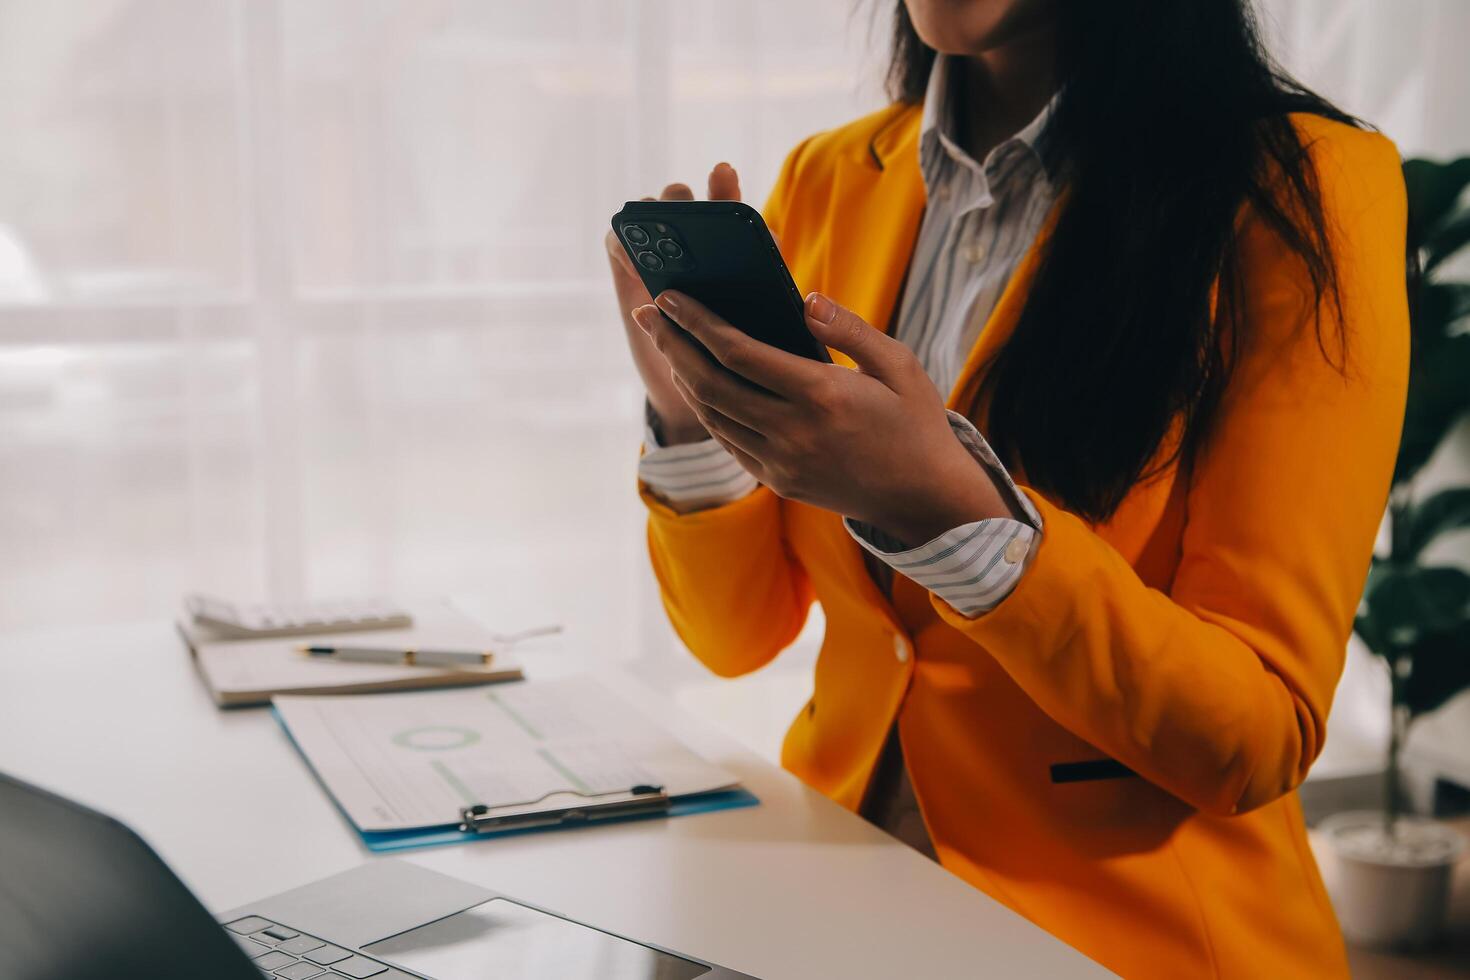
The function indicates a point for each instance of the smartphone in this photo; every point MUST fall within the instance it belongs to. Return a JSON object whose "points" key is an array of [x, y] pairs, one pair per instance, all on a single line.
{"points": [[722, 254]]}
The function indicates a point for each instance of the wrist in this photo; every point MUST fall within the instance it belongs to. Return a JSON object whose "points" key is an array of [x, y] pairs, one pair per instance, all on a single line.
{"points": [[672, 429], [956, 490]]}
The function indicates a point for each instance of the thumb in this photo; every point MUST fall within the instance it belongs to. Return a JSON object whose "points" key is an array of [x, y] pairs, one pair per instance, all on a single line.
{"points": [[841, 329]]}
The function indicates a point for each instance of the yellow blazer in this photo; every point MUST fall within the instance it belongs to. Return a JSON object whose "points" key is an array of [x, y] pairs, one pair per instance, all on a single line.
{"points": [[1196, 637]]}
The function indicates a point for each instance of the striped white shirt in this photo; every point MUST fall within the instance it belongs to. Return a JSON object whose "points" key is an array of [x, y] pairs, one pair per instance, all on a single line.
{"points": [[980, 220]]}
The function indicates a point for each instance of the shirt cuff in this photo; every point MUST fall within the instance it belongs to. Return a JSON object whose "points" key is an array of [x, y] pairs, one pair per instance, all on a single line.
{"points": [[693, 476], [972, 567]]}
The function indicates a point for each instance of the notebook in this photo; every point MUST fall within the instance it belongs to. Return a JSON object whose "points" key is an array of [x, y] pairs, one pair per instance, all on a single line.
{"points": [[239, 673], [450, 766]]}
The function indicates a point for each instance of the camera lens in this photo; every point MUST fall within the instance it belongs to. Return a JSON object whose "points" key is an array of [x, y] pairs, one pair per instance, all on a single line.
{"points": [[635, 234], [669, 248], [650, 261]]}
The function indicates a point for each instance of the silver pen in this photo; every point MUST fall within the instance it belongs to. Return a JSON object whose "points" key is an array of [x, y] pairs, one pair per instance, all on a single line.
{"points": [[399, 655]]}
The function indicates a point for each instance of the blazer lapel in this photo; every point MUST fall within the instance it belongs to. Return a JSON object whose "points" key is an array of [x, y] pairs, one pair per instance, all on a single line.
{"points": [[872, 237], [874, 229]]}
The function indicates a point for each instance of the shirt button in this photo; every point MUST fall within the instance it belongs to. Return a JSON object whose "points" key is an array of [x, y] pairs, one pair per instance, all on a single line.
{"points": [[1015, 551], [900, 649], [974, 252]]}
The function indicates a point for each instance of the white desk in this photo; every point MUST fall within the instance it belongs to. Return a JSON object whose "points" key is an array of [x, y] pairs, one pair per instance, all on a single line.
{"points": [[794, 889]]}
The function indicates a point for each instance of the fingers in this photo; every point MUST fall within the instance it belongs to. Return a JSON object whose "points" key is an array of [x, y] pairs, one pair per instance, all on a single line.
{"points": [[873, 351], [773, 369], [743, 441], [618, 254], [724, 183], [747, 462], [706, 383]]}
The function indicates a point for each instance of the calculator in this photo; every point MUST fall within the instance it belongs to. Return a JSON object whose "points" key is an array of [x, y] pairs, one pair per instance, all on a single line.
{"points": [[248, 621]]}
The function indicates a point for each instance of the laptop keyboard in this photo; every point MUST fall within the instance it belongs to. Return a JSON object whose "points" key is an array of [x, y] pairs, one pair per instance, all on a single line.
{"points": [[284, 953]]}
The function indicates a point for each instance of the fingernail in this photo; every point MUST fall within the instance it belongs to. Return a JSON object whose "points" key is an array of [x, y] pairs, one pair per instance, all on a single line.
{"points": [[643, 316], [722, 165], [668, 301], [820, 308]]}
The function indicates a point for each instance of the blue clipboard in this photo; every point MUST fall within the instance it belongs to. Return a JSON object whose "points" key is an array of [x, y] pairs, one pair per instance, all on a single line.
{"points": [[449, 833]]}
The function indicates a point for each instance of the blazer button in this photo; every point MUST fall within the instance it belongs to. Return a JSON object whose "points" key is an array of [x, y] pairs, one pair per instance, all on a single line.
{"points": [[1015, 551], [900, 649]]}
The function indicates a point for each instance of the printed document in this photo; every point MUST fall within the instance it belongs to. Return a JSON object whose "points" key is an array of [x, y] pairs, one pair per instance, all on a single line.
{"points": [[407, 761]]}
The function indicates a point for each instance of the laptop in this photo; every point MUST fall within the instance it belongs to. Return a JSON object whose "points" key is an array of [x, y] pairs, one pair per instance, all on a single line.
{"points": [[82, 897]]}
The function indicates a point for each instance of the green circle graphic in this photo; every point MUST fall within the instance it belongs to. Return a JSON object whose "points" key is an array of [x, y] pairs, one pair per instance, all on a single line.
{"points": [[436, 738]]}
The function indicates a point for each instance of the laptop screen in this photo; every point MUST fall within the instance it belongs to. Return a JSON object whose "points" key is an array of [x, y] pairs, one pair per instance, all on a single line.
{"points": [[83, 898], [504, 939]]}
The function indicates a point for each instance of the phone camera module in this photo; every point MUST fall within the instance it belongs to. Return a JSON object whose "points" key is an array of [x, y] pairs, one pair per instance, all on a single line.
{"points": [[635, 234], [650, 261], [669, 248]]}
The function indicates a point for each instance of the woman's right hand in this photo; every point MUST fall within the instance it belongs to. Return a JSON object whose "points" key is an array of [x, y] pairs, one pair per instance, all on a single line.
{"points": [[679, 423]]}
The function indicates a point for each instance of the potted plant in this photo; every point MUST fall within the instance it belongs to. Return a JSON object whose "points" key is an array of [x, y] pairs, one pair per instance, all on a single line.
{"points": [[1390, 878]]}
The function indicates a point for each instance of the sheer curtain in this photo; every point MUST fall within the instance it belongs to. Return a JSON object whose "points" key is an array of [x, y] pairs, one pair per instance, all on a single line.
{"points": [[1399, 65], [309, 297]]}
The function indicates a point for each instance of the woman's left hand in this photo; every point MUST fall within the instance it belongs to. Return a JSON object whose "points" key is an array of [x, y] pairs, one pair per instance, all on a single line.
{"points": [[873, 444]]}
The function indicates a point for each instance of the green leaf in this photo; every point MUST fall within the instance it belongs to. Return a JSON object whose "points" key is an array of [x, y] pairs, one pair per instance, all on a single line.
{"points": [[1439, 396], [1441, 669], [1408, 602], [1377, 569], [1446, 240], [1439, 306], [1427, 520], [1364, 624], [1367, 629], [1433, 190]]}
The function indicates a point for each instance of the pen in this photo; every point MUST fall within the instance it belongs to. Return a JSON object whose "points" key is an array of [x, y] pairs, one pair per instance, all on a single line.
{"points": [[411, 658]]}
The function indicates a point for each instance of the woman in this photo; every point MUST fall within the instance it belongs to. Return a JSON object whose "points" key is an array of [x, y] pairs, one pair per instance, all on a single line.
{"points": [[1083, 629]]}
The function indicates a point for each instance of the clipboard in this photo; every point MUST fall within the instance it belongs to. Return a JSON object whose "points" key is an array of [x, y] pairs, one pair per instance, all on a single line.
{"points": [[403, 840], [562, 809], [642, 800]]}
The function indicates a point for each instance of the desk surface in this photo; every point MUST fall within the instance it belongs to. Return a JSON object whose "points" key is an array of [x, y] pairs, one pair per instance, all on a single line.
{"points": [[795, 888]]}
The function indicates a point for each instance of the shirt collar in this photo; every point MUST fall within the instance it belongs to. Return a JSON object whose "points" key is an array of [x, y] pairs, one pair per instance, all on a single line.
{"points": [[937, 125]]}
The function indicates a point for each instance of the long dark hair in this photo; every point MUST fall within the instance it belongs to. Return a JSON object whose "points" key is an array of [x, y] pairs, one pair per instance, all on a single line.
{"points": [[1171, 119]]}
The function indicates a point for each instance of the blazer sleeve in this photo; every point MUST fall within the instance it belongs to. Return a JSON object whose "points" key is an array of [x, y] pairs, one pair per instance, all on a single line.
{"points": [[731, 588], [1218, 689]]}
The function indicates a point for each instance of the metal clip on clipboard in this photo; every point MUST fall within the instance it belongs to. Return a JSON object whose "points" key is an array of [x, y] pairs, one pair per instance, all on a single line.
{"points": [[640, 800]]}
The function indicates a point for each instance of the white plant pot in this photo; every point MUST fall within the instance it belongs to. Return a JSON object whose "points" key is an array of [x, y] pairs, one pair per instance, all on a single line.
{"points": [[1389, 892]]}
